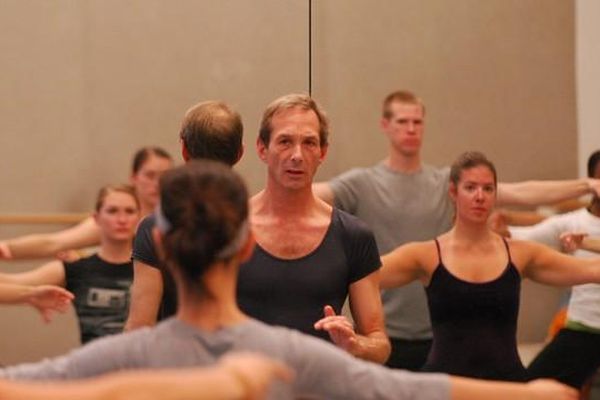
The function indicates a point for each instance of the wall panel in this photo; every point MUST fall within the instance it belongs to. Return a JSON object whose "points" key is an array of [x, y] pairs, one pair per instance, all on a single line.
{"points": [[86, 83]]}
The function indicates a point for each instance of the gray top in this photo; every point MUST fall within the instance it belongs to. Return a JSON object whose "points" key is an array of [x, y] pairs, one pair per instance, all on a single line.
{"points": [[399, 208], [322, 370]]}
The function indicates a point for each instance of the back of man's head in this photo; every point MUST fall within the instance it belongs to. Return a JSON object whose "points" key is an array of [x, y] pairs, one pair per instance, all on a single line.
{"points": [[212, 130]]}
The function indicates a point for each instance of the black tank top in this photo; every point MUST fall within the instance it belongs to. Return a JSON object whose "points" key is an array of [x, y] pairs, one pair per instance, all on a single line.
{"points": [[475, 324]]}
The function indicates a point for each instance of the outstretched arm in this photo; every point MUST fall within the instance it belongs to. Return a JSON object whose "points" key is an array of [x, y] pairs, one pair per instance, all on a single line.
{"points": [[591, 244], [38, 296], [39, 287], [243, 376], [84, 234], [545, 265], [466, 388], [402, 265], [519, 218], [370, 341], [52, 273], [572, 241], [534, 193], [324, 372], [47, 299]]}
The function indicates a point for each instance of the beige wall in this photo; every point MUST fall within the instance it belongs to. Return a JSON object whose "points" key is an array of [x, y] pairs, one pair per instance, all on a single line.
{"points": [[588, 79], [85, 83], [497, 76]]}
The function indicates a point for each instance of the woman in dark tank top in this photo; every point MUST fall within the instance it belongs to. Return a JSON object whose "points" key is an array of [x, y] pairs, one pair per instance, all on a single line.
{"points": [[473, 277], [475, 324]]}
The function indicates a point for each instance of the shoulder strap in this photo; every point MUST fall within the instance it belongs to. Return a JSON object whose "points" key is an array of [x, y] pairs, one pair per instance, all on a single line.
{"points": [[439, 251], [507, 249]]}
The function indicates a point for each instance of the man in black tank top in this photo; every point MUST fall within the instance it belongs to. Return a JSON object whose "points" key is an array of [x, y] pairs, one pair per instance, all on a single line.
{"points": [[309, 256]]}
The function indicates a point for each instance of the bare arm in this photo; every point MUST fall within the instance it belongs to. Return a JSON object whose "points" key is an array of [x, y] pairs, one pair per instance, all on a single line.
{"points": [[402, 265], [323, 191], [520, 218], [370, 342], [545, 265], [572, 241], [533, 193], [84, 234], [52, 273], [146, 295], [465, 388], [591, 244], [47, 299], [13, 293], [237, 377]]}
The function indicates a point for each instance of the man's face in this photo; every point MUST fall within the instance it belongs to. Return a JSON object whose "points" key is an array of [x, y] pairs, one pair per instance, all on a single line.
{"points": [[404, 128], [294, 151]]}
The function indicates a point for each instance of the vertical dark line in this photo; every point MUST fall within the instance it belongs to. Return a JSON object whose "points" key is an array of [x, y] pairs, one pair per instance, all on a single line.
{"points": [[310, 47]]}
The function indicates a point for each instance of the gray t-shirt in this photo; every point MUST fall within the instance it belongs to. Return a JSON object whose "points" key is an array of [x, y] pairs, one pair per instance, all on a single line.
{"points": [[322, 370], [399, 208]]}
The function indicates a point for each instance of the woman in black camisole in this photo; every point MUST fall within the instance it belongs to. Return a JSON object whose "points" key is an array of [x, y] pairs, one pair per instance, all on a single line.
{"points": [[472, 278]]}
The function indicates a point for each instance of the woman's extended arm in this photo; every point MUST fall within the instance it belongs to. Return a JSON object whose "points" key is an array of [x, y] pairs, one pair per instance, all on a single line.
{"points": [[47, 299], [403, 265], [84, 234], [239, 376], [52, 273]]}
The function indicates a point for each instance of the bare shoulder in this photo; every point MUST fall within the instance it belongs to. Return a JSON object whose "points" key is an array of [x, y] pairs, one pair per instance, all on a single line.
{"points": [[522, 246], [422, 253], [428, 255], [523, 251], [323, 208], [422, 248]]}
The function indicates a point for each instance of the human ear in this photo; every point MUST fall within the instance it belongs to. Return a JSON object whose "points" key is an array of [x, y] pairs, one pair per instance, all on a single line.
{"points": [[452, 191], [261, 149]]}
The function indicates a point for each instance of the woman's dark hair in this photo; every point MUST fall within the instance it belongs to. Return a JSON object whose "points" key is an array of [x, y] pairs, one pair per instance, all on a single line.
{"points": [[205, 205], [468, 160], [142, 155]]}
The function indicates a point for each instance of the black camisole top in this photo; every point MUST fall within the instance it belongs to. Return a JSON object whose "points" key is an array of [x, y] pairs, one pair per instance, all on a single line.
{"points": [[475, 324]]}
